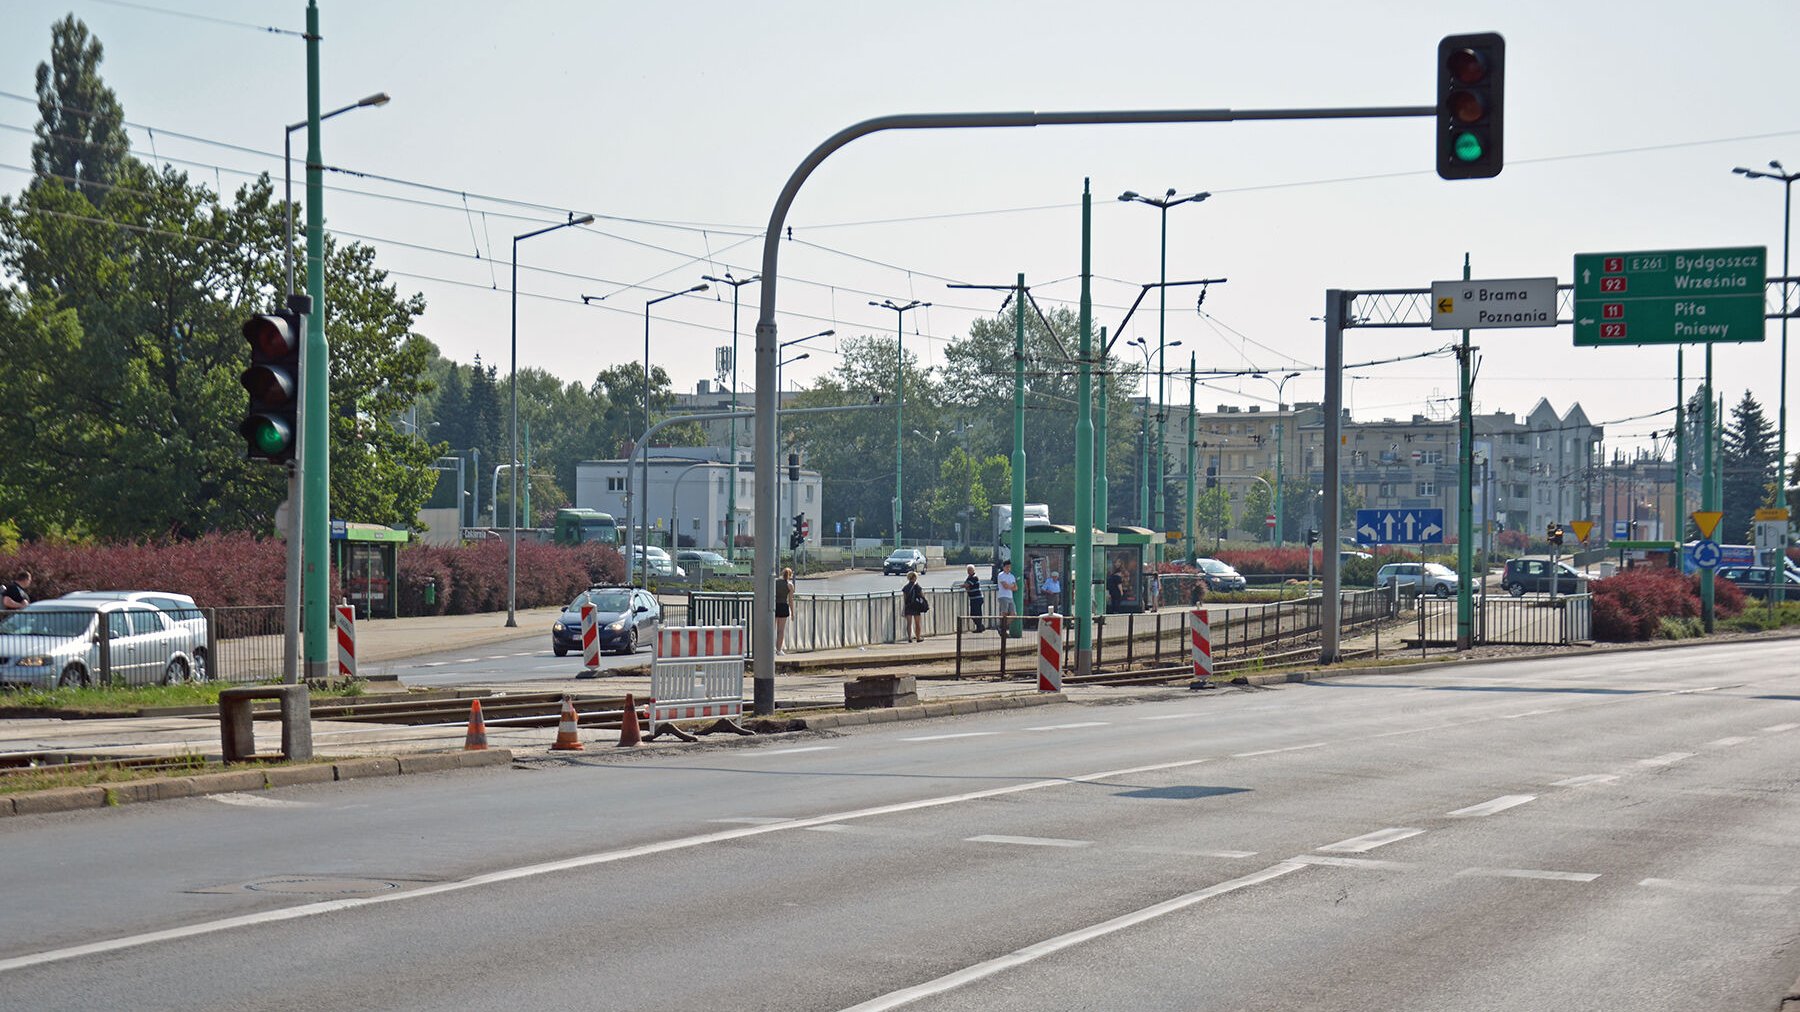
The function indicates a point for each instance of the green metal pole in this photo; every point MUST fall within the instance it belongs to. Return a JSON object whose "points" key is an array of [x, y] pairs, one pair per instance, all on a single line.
{"points": [[1681, 510], [1159, 498], [1102, 489], [1082, 586], [315, 444], [525, 491], [1187, 520], [1018, 454], [1279, 519], [1465, 495], [1708, 491], [731, 489], [899, 418]]}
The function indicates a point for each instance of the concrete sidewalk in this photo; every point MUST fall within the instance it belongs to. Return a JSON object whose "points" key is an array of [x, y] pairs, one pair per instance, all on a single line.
{"points": [[390, 639]]}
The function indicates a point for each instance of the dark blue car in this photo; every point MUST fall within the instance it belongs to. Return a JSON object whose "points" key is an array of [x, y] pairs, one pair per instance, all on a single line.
{"points": [[626, 618]]}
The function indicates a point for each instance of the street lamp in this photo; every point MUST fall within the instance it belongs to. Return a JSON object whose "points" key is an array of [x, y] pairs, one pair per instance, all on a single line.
{"points": [[1147, 506], [512, 547], [899, 399], [296, 526], [731, 493], [1162, 204], [779, 362], [644, 482], [1786, 179], [1280, 385]]}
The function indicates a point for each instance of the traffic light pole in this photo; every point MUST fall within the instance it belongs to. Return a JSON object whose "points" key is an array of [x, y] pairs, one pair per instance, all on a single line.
{"points": [[1465, 496], [1081, 586], [290, 601], [1708, 490], [315, 388]]}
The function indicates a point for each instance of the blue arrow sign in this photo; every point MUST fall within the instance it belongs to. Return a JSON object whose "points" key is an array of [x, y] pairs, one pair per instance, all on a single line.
{"points": [[1400, 527], [1706, 554]]}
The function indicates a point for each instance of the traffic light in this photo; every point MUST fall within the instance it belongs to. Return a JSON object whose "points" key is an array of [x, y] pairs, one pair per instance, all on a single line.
{"points": [[1554, 534], [271, 425], [1312, 535], [798, 538], [793, 467], [1471, 78]]}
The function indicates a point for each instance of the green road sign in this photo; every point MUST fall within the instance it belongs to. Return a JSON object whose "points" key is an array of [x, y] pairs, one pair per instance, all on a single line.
{"points": [[1681, 296]]}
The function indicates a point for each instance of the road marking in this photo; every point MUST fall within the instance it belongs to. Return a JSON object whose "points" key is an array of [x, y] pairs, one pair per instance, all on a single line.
{"points": [[1369, 841], [1666, 759], [754, 820], [465, 660], [1048, 947], [1778, 728], [1499, 804], [1355, 862], [1554, 876], [1725, 742], [1185, 852], [1527, 713], [1688, 692], [942, 737], [1585, 779], [434, 664], [1173, 716], [1272, 751], [797, 751], [580, 861], [252, 801], [1029, 841], [497, 657], [1716, 887], [1065, 727]]}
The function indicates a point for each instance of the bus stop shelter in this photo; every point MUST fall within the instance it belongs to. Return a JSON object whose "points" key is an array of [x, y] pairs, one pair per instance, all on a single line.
{"points": [[1049, 549], [367, 558], [1129, 559]]}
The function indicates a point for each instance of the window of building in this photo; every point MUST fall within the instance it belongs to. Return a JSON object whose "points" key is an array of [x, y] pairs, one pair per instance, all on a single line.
{"points": [[1387, 490], [809, 492], [615, 484], [1431, 457], [1427, 489]]}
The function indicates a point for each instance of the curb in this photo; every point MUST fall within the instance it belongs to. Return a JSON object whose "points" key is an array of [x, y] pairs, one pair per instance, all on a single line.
{"points": [[70, 799], [942, 708]]}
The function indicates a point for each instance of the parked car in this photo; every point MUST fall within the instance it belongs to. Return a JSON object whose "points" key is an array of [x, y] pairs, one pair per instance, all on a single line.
{"points": [[180, 608], [711, 562], [1531, 574], [1348, 554], [1759, 581], [624, 617], [1418, 578], [57, 642], [1219, 576], [903, 561], [656, 562]]}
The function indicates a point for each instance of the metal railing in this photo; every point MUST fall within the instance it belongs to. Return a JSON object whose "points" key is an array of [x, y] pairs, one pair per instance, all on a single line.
{"points": [[830, 621], [1522, 621]]}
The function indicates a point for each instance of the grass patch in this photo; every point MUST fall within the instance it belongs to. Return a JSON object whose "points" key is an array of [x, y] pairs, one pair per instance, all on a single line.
{"points": [[1671, 628], [126, 701], [45, 778], [1763, 617]]}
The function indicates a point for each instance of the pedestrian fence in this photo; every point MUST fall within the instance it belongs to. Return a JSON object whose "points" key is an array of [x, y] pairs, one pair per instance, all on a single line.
{"points": [[830, 621], [1513, 621]]}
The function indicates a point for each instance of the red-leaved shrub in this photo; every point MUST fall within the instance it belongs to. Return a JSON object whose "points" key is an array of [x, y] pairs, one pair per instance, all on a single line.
{"points": [[1632, 605]]}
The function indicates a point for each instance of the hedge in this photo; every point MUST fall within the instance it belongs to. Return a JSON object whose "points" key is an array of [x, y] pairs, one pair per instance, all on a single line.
{"points": [[1632, 605]]}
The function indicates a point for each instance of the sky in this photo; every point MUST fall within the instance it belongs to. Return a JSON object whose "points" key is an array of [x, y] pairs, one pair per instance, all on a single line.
{"points": [[678, 124]]}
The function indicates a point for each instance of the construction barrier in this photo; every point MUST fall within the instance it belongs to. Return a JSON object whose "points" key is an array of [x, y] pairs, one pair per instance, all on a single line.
{"points": [[346, 638], [697, 672], [1050, 652], [1200, 641], [590, 636]]}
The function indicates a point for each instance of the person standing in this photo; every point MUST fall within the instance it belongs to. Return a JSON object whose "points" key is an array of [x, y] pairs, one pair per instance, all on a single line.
{"points": [[914, 606], [784, 607], [1115, 588], [1005, 585], [16, 594], [1052, 590], [972, 584]]}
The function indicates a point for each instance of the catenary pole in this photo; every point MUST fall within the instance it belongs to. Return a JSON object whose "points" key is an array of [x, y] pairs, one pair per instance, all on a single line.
{"points": [[315, 441], [1017, 534], [1465, 494], [1081, 588]]}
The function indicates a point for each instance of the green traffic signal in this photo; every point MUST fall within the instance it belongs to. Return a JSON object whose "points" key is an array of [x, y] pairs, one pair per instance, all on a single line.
{"points": [[1471, 87], [268, 437], [1467, 147], [272, 381]]}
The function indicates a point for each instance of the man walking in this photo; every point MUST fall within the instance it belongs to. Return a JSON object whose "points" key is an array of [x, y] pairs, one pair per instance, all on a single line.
{"points": [[972, 584]]}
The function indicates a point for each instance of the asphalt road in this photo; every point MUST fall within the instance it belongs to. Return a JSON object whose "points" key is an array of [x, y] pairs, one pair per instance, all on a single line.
{"points": [[1605, 832]]}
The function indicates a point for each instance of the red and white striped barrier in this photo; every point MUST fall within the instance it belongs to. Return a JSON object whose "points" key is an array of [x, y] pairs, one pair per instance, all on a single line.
{"points": [[590, 637], [346, 637], [1050, 652], [698, 671], [1200, 639]]}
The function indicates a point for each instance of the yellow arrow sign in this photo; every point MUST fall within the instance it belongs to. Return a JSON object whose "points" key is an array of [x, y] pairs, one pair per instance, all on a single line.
{"points": [[1707, 521], [1446, 305], [1766, 514], [1583, 528]]}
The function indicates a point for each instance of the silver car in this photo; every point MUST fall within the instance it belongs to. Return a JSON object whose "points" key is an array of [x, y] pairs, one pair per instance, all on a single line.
{"points": [[180, 608], [52, 643]]}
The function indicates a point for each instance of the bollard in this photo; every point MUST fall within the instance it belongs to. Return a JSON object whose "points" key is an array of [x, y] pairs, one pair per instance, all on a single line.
{"points": [[1200, 642], [1050, 652], [590, 637], [346, 640]]}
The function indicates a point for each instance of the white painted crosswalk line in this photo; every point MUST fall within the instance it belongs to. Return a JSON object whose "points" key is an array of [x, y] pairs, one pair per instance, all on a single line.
{"points": [[1499, 804], [1354, 862], [1029, 841], [1585, 779], [1679, 885], [1666, 759], [1369, 841], [1554, 876]]}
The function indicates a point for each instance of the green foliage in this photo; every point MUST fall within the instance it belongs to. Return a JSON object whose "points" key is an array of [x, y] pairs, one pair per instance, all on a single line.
{"points": [[1671, 628], [1259, 502], [80, 132], [1212, 511], [1747, 466]]}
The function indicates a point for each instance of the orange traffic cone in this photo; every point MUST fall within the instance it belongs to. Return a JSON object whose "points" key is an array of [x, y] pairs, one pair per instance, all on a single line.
{"points": [[566, 738], [629, 735], [477, 738]]}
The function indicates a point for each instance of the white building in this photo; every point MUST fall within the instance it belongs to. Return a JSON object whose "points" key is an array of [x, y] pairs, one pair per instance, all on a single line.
{"points": [[688, 494]]}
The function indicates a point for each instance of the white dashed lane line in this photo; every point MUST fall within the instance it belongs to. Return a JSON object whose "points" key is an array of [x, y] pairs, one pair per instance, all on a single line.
{"points": [[1666, 759], [253, 801], [797, 751], [1778, 728], [1725, 742], [1187, 852], [752, 820], [1586, 779], [1354, 862], [944, 737], [1029, 841], [1369, 841], [434, 664], [1274, 751], [1554, 876], [1066, 727], [1716, 887], [1499, 804]]}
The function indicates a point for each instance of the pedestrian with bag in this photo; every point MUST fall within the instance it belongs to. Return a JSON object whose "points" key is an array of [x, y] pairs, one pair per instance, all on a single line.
{"points": [[972, 584], [784, 607], [914, 606]]}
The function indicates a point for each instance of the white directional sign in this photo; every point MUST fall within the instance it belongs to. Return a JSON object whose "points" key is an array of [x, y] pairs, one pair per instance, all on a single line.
{"points": [[1509, 302], [1400, 527]]}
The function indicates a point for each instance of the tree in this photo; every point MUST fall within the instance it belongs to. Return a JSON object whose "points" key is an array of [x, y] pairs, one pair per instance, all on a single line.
{"points": [[1259, 502], [1212, 512], [1747, 468], [81, 139]]}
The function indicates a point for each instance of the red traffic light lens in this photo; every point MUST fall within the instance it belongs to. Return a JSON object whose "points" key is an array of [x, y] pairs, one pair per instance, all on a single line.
{"points": [[269, 336], [1466, 66], [1466, 106], [267, 386]]}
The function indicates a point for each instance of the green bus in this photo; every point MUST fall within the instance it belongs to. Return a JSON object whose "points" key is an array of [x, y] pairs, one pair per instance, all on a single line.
{"points": [[578, 526]]}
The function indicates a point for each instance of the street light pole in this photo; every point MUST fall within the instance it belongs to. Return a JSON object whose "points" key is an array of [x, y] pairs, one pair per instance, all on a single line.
{"points": [[731, 493], [512, 546], [1778, 591], [1280, 386], [1163, 204], [290, 657], [643, 547], [899, 401]]}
